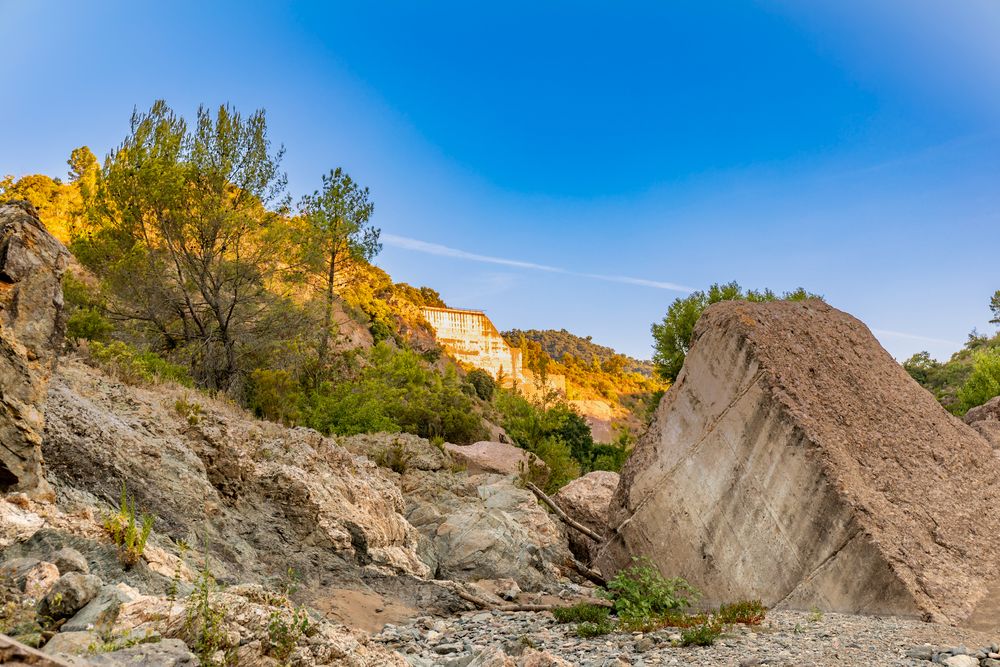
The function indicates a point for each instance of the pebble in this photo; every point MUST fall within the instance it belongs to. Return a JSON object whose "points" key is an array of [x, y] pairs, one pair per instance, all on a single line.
{"points": [[786, 639]]}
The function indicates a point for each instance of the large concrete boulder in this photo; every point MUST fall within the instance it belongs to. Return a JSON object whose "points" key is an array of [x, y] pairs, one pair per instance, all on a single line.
{"points": [[796, 462], [587, 499], [32, 263]]}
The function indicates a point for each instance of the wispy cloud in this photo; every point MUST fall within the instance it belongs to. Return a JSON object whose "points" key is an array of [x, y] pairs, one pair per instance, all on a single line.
{"points": [[907, 336], [445, 251]]}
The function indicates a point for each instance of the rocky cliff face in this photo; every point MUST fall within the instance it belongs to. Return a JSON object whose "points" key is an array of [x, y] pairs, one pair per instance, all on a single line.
{"points": [[796, 462], [32, 263]]}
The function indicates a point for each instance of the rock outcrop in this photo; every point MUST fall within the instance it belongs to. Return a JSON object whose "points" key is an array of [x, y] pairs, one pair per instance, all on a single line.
{"points": [[32, 326], [795, 461], [587, 500], [493, 457], [986, 420]]}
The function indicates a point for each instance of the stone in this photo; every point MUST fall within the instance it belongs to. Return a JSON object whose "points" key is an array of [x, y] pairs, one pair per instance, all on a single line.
{"points": [[70, 594], [923, 652], [71, 643], [32, 326], [164, 653], [17, 523], [587, 500], [986, 420], [32, 577], [101, 612], [69, 560], [989, 662], [416, 453], [13, 652], [493, 457], [484, 527], [795, 461], [961, 661]]}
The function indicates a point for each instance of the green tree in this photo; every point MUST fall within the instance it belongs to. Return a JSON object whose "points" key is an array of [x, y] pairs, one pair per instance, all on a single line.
{"points": [[984, 382], [185, 216], [337, 230], [995, 307], [672, 337]]}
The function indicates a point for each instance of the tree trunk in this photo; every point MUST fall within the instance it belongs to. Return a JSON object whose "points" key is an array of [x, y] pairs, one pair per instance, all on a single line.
{"points": [[324, 342]]}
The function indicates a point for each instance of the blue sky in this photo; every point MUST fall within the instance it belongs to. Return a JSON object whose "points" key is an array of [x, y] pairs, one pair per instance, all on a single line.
{"points": [[578, 164]]}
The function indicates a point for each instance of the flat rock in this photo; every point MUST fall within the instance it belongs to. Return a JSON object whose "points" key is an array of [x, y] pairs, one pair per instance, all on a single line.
{"points": [[101, 612], [493, 457], [165, 653], [796, 462], [13, 652], [71, 643]]}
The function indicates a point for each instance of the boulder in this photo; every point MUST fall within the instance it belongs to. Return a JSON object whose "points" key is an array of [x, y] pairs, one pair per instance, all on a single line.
{"points": [[100, 613], [70, 594], [587, 500], [483, 527], [495, 457], [69, 643], [165, 653], [398, 450], [986, 420], [32, 325], [32, 577], [13, 652], [69, 559], [795, 461]]}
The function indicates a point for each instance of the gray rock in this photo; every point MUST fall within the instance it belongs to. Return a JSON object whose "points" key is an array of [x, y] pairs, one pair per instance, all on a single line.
{"points": [[166, 653], [101, 612], [923, 652], [32, 577], [961, 661], [69, 595], [69, 560], [32, 325], [71, 643]]}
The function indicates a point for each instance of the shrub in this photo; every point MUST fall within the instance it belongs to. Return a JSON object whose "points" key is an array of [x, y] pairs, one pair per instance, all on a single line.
{"points": [[87, 324], [594, 629], [483, 383], [274, 395], [128, 531], [284, 632], [190, 410], [581, 613], [137, 367], [746, 612], [396, 458], [641, 594], [204, 623], [984, 382], [702, 635]]}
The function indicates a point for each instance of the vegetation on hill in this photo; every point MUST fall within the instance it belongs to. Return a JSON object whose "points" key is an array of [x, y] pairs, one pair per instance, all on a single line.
{"points": [[970, 377], [566, 347], [195, 266], [672, 337]]}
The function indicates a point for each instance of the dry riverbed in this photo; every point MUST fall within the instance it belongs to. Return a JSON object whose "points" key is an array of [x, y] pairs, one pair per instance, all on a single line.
{"points": [[786, 638]]}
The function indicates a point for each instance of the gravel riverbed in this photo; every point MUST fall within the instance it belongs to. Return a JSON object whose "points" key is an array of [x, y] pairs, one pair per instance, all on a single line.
{"points": [[786, 638]]}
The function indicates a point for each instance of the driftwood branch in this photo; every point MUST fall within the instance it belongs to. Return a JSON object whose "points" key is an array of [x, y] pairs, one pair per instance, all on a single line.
{"points": [[562, 515], [587, 573]]}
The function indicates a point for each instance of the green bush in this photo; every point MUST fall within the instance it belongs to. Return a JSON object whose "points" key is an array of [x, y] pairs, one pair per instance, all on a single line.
{"points": [[589, 629], [395, 391], [482, 382], [137, 367], [984, 381], [581, 613], [274, 395], [701, 635], [396, 458], [128, 530], [641, 594], [745, 612], [87, 324]]}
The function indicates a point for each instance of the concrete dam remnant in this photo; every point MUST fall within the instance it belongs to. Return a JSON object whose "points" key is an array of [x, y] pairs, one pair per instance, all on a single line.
{"points": [[470, 337], [796, 462]]}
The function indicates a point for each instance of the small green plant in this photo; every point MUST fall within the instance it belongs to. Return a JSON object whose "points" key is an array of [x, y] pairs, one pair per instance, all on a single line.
{"points": [[113, 642], [190, 410], [128, 530], [284, 632], [702, 635], [204, 622], [594, 629], [642, 595], [395, 458], [137, 367], [581, 613], [745, 612], [815, 615]]}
